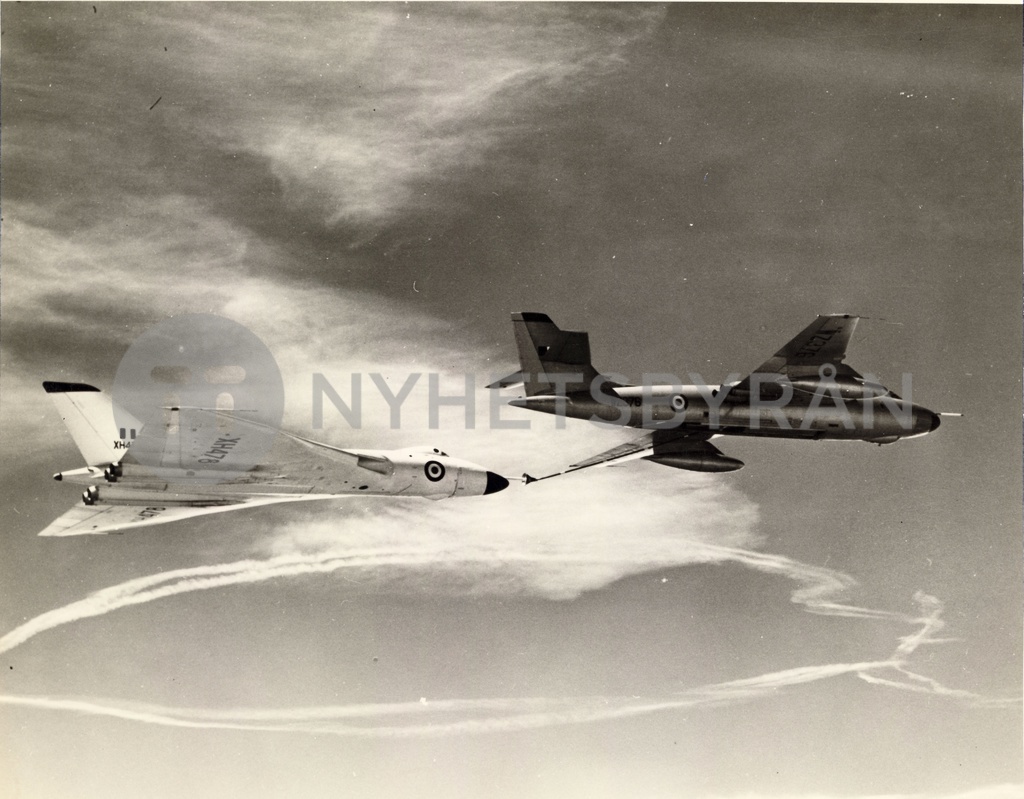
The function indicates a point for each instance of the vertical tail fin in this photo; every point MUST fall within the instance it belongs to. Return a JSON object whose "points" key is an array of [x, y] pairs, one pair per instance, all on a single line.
{"points": [[545, 351], [88, 414]]}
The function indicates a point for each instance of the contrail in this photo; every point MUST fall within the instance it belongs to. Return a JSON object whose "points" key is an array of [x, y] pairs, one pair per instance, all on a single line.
{"points": [[501, 715], [485, 715], [819, 584], [201, 578], [818, 588], [460, 716]]}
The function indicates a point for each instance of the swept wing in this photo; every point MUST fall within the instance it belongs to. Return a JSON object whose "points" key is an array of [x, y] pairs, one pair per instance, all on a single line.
{"points": [[821, 343], [682, 449], [100, 519]]}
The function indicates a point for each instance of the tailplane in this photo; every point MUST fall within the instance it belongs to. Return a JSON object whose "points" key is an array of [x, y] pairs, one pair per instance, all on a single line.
{"points": [[88, 414], [551, 360]]}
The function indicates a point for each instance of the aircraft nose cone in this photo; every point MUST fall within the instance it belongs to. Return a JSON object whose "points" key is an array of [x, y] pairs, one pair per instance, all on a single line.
{"points": [[495, 483], [936, 421]]}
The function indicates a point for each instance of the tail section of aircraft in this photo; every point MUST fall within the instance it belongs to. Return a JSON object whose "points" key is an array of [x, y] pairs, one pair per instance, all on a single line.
{"points": [[88, 414], [551, 360]]}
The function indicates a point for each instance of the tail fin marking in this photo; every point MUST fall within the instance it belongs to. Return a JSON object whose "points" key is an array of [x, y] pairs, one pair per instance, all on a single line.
{"points": [[88, 414]]}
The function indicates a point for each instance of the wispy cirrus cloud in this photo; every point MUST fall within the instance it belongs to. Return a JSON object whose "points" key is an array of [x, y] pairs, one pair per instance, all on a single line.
{"points": [[225, 269], [395, 101], [388, 123]]}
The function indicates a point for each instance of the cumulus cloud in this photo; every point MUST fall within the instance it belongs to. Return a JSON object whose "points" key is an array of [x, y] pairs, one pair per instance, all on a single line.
{"points": [[547, 542]]}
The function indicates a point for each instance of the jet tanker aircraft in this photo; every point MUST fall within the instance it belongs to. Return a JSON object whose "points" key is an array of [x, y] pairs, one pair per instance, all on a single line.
{"points": [[199, 461], [804, 391]]}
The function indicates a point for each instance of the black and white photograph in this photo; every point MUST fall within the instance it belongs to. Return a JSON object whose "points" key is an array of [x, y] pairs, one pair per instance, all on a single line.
{"points": [[515, 400]]}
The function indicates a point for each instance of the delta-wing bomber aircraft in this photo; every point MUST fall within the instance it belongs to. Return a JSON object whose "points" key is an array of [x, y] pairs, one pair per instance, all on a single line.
{"points": [[197, 461], [804, 391]]}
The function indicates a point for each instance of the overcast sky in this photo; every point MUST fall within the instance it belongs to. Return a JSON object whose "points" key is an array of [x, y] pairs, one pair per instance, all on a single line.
{"points": [[374, 188]]}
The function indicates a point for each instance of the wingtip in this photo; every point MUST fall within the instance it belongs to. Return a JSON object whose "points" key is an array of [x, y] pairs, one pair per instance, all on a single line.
{"points": [[57, 387], [513, 380]]}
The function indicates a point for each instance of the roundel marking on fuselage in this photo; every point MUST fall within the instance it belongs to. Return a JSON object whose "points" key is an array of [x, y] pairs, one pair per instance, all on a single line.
{"points": [[434, 471]]}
